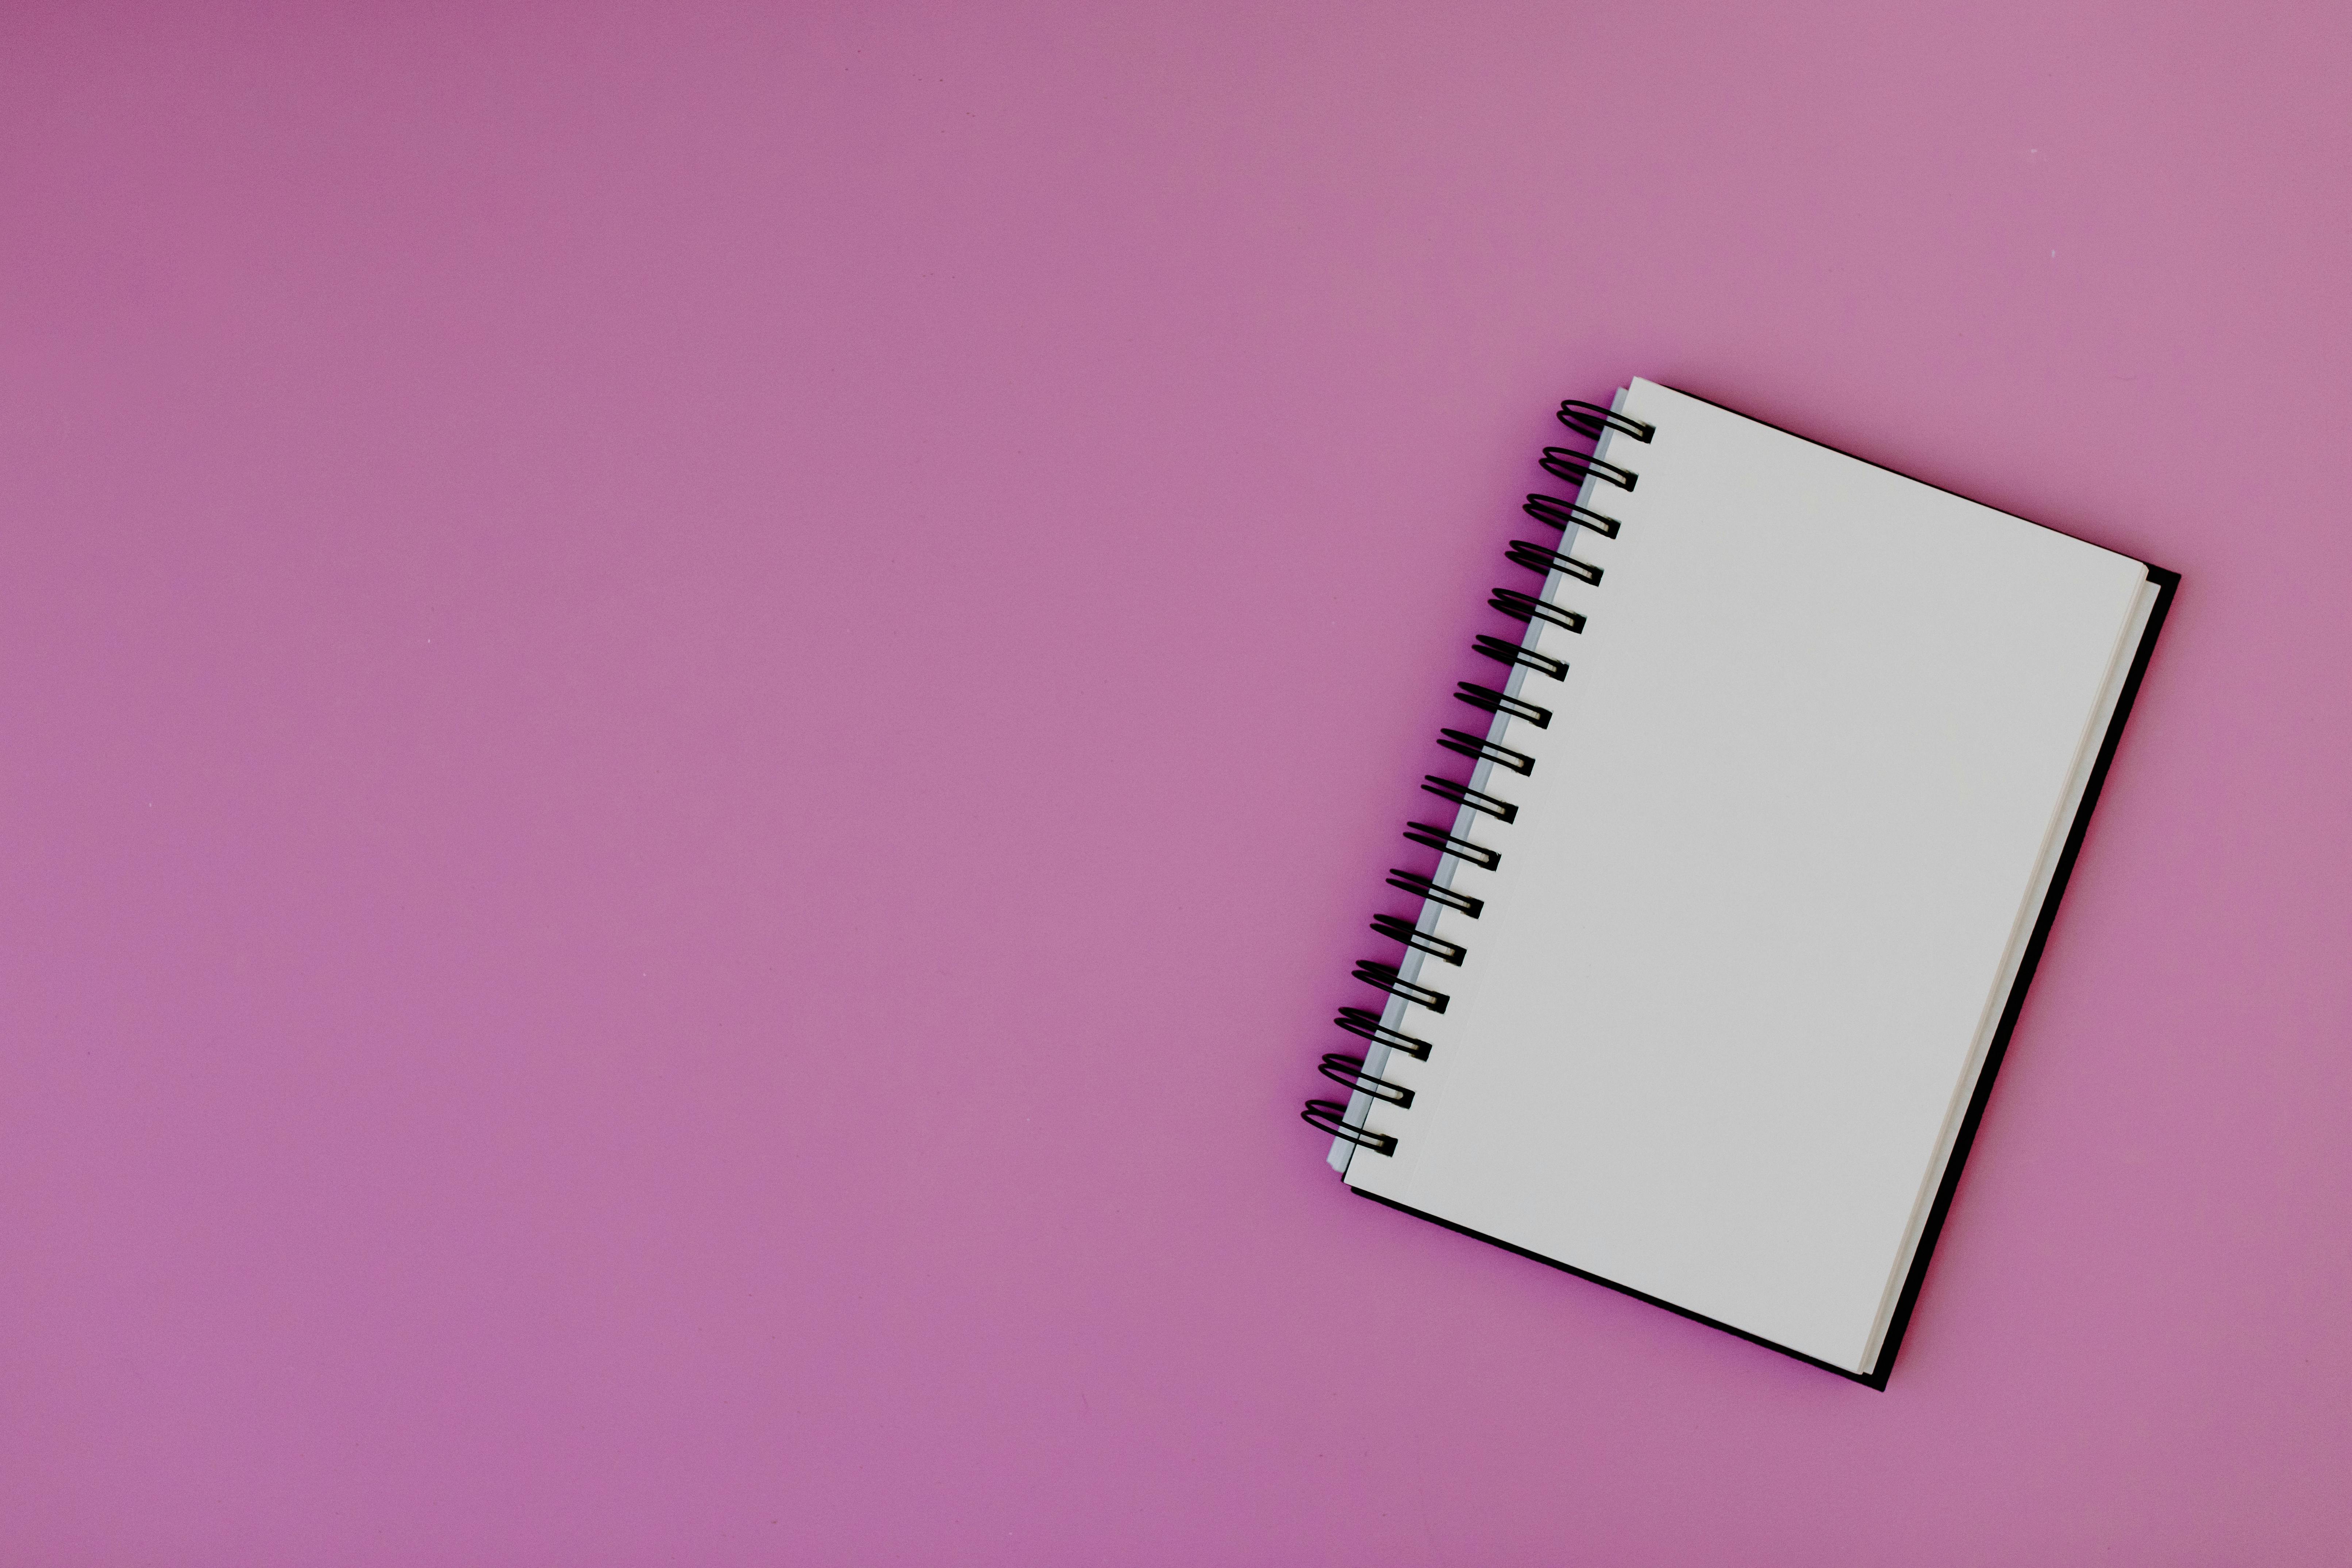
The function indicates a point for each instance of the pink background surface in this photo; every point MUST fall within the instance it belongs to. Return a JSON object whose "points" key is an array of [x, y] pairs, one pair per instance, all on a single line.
{"points": [[701, 705]]}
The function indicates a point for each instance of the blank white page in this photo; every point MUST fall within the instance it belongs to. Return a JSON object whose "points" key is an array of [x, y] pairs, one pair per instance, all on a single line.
{"points": [[1766, 880]]}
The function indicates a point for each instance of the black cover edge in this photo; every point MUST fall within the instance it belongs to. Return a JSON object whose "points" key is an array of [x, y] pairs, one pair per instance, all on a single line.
{"points": [[1625, 1289], [2166, 585]]}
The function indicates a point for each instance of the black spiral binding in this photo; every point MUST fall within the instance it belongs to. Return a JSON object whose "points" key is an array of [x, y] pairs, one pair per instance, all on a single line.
{"points": [[1350, 1072]]}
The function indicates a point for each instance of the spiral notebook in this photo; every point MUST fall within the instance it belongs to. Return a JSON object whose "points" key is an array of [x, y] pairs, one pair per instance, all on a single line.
{"points": [[1736, 898]]}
